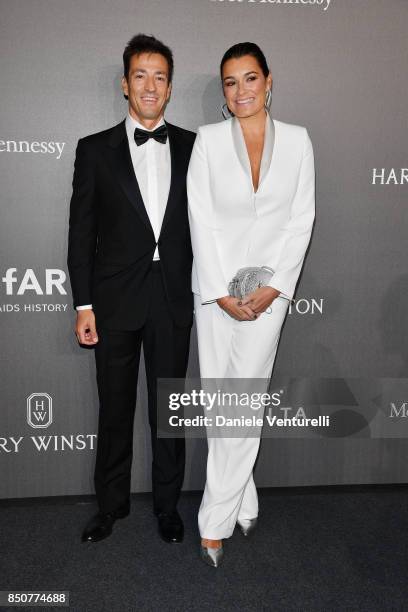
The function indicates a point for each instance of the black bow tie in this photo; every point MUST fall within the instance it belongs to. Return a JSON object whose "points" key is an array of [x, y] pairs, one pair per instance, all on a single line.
{"points": [[159, 134]]}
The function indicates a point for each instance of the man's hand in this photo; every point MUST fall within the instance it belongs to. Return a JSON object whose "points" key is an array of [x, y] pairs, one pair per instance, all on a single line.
{"points": [[236, 309], [85, 328], [260, 299]]}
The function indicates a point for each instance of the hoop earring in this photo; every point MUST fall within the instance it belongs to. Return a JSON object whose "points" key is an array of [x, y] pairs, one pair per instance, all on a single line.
{"points": [[225, 111], [268, 100]]}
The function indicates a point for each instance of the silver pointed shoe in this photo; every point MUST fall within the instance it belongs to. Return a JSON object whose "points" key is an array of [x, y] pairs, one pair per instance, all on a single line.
{"points": [[212, 556], [247, 526]]}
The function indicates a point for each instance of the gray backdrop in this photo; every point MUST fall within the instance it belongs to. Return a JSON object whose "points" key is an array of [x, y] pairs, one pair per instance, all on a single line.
{"points": [[339, 69]]}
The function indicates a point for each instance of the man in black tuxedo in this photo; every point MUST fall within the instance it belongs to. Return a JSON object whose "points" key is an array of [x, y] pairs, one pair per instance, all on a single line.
{"points": [[129, 260]]}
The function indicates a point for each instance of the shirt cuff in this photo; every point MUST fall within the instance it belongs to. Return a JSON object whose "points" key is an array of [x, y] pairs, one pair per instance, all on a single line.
{"points": [[86, 307]]}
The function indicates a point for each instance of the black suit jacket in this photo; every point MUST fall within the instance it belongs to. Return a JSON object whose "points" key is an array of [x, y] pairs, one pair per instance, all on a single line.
{"points": [[111, 241]]}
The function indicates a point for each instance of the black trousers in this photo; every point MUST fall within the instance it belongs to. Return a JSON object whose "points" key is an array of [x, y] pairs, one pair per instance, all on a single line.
{"points": [[165, 348]]}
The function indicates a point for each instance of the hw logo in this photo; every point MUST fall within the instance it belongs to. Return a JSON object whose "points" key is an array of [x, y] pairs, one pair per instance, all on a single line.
{"points": [[39, 410]]}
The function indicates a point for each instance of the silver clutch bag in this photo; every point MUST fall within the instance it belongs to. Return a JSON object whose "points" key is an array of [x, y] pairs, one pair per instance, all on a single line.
{"points": [[247, 280]]}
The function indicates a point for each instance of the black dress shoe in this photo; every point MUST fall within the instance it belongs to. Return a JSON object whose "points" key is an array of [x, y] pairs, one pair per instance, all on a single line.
{"points": [[100, 526], [171, 528]]}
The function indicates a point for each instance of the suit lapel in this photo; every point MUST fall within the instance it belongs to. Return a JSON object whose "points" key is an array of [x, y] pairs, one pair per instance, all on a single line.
{"points": [[268, 147], [178, 172], [242, 153], [119, 155]]}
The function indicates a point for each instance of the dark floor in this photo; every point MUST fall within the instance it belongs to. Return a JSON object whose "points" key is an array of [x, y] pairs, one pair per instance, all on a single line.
{"points": [[315, 549]]}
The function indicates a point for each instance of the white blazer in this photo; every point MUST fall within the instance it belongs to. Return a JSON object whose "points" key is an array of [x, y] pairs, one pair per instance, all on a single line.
{"points": [[231, 225]]}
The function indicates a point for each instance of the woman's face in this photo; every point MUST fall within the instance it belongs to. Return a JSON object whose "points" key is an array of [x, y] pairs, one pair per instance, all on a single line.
{"points": [[245, 86]]}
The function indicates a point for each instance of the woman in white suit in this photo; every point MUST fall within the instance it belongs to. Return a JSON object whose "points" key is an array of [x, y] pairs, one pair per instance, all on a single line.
{"points": [[251, 193]]}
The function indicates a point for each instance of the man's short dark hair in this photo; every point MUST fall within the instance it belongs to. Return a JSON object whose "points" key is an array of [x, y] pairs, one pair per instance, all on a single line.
{"points": [[142, 43]]}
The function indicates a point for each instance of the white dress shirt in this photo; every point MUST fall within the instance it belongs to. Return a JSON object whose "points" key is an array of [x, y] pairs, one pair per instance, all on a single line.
{"points": [[152, 166]]}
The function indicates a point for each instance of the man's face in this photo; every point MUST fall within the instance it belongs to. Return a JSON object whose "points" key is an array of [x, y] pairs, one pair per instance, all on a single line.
{"points": [[147, 87]]}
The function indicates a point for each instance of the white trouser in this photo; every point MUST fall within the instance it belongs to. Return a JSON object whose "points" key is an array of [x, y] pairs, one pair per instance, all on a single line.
{"points": [[233, 349]]}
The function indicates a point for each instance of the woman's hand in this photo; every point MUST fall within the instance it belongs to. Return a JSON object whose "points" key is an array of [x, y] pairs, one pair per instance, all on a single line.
{"points": [[260, 299], [236, 309]]}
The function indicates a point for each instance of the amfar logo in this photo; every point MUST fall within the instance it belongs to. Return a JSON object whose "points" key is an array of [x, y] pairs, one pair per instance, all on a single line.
{"points": [[28, 283], [394, 176], [39, 410], [324, 3], [24, 146], [54, 278]]}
